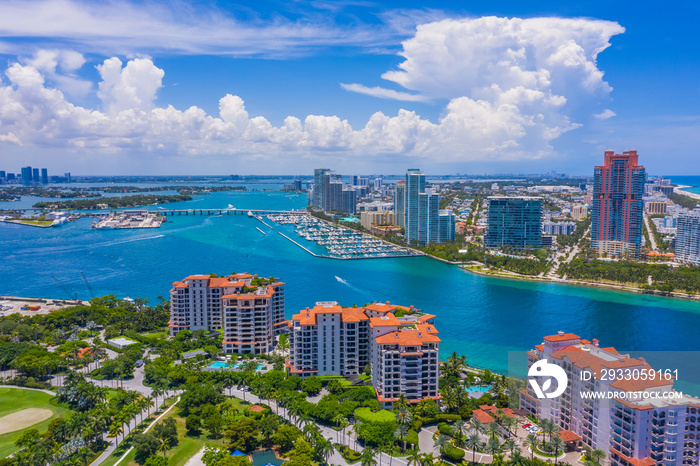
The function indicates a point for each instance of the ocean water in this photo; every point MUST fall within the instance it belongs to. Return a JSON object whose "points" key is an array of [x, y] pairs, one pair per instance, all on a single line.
{"points": [[482, 317], [692, 181]]}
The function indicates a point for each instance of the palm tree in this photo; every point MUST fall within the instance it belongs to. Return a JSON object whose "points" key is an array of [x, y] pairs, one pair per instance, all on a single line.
{"points": [[492, 447], [557, 444], [530, 442], [404, 416], [597, 455], [338, 421], [414, 457], [114, 430], [477, 427], [509, 445], [368, 457], [492, 429], [428, 459], [440, 443], [401, 432], [517, 459], [458, 430], [473, 443], [324, 449], [164, 445], [498, 460]]}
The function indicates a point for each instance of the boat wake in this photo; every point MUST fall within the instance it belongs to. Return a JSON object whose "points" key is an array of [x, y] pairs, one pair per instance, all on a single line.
{"points": [[129, 240], [344, 282]]}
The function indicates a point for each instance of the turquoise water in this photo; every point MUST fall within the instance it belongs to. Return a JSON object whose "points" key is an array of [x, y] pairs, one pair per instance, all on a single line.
{"points": [[219, 365], [481, 317], [264, 457], [478, 389]]}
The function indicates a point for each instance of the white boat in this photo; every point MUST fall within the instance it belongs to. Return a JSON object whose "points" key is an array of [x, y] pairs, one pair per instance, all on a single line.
{"points": [[250, 214]]}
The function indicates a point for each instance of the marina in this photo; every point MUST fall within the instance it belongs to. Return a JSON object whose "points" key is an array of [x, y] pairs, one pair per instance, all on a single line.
{"points": [[129, 219], [339, 242]]}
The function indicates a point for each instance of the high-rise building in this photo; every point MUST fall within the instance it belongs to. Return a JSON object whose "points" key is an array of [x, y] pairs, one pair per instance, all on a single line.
{"points": [[318, 188], [26, 175], [400, 203], [447, 226], [579, 212], [415, 185], [618, 188], [330, 194], [249, 310], [637, 421], [514, 222], [418, 211], [688, 238], [558, 228], [2, 174], [36, 177], [67, 177], [329, 340], [44, 176], [378, 217]]}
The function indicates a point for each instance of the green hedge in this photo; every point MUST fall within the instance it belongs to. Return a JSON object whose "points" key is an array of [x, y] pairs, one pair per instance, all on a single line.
{"points": [[454, 454], [412, 438], [349, 454], [426, 421]]}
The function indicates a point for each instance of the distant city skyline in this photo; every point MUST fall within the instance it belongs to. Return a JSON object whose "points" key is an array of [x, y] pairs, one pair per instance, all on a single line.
{"points": [[127, 88]]}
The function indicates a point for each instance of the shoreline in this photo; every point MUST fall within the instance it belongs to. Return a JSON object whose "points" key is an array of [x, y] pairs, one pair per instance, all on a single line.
{"points": [[681, 190], [608, 286]]}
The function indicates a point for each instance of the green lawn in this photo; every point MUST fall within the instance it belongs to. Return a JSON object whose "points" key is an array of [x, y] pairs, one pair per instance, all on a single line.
{"points": [[162, 333], [177, 455], [16, 399], [366, 415]]}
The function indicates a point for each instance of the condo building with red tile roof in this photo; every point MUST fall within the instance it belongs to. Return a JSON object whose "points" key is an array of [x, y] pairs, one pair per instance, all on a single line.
{"points": [[249, 310], [644, 422], [403, 352]]}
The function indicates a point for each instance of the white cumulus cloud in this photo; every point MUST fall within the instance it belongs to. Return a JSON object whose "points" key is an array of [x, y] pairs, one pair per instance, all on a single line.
{"points": [[507, 84], [605, 114]]}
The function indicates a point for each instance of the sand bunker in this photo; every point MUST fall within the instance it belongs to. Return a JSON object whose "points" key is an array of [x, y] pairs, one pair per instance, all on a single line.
{"points": [[23, 419]]}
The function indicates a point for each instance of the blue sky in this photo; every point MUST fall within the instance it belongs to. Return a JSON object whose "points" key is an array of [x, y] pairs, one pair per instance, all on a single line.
{"points": [[283, 87]]}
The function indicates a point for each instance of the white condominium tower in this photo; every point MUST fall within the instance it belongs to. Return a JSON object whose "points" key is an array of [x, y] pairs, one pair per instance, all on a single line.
{"points": [[634, 421], [403, 352], [249, 309]]}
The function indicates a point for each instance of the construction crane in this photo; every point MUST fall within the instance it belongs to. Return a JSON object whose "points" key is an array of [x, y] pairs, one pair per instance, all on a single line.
{"points": [[64, 289], [87, 283]]}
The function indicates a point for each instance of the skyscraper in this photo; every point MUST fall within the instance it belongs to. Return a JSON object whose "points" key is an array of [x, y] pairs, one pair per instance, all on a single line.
{"points": [[420, 209], [400, 203], [44, 176], [415, 184], [26, 175], [36, 178], [330, 194], [618, 187], [514, 222], [318, 188], [688, 238]]}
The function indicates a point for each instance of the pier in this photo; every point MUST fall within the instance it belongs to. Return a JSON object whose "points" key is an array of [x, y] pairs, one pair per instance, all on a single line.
{"points": [[230, 211]]}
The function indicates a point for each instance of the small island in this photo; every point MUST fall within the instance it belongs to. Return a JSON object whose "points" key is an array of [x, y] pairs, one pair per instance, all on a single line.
{"points": [[114, 202]]}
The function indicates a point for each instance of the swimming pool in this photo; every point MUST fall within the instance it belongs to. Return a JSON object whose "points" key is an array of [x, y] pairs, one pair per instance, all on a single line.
{"points": [[225, 365], [263, 457], [478, 389], [219, 365]]}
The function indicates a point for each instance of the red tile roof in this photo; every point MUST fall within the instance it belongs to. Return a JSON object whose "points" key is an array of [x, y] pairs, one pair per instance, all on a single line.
{"points": [[562, 337], [483, 416], [635, 461], [569, 436]]}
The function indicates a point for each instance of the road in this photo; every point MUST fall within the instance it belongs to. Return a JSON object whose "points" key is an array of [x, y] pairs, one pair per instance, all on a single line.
{"points": [[650, 231]]}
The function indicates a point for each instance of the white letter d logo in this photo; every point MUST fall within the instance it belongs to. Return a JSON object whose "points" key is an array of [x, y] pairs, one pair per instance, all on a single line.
{"points": [[544, 369]]}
